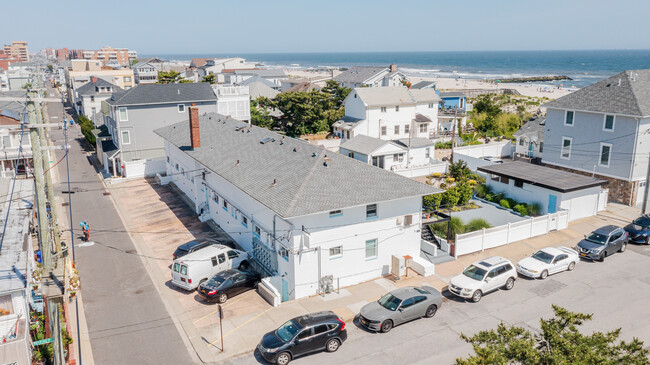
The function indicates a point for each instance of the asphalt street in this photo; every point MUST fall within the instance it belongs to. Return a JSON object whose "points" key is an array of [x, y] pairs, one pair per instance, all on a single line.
{"points": [[616, 292], [127, 320]]}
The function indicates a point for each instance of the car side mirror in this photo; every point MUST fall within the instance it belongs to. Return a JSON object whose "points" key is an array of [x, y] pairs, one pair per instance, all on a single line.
{"points": [[487, 280], [400, 309]]}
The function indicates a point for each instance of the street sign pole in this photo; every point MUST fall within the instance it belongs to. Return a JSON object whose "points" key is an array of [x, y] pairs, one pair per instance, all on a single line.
{"points": [[221, 325]]}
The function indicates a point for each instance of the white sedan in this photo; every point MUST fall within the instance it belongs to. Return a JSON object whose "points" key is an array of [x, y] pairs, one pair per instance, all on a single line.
{"points": [[549, 260]]}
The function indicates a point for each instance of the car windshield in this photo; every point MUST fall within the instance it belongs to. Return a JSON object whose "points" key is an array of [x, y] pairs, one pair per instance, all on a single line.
{"points": [[598, 238], [474, 272], [288, 330], [543, 257], [389, 302], [642, 221]]}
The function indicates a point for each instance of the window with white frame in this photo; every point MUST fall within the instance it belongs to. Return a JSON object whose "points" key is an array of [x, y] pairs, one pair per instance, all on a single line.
{"points": [[521, 141], [225, 205], [126, 137], [215, 198], [605, 154], [383, 130], [396, 129], [431, 105], [383, 109], [244, 221], [257, 231], [568, 117], [181, 108], [396, 108], [423, 128], [336, 251], [608, 124], [541, 147], [371, 248], [427, 152], [336, 213], [398, 157], [124, 115], [566, 148], [407, 129], [351, 154], [371, 211], [284, 253]]}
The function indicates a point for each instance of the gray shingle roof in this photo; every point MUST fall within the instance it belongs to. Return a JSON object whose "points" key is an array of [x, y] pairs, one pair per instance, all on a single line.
{"points": [[452, 94], [358, 74], [304, 185], [257, 78], [89, 88], [625, 93], [262, 73], [533, 128], [395, 95], [257, 89], [550, 178], [364, 144], [423, 84], [416, 142], [163, 93]]}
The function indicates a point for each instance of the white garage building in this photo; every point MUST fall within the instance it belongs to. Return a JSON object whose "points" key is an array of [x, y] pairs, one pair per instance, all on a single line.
{"points": [[583, 196]]}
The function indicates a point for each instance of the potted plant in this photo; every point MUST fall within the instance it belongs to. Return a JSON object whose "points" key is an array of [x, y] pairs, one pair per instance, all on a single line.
{"points": [[39, 359]]}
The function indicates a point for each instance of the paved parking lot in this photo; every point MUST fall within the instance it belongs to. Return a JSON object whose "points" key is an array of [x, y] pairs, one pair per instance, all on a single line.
{"points": [[616, 292]]}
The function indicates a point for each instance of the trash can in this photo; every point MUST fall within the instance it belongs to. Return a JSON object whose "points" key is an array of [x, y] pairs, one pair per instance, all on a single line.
{"points": [[64, 249]]}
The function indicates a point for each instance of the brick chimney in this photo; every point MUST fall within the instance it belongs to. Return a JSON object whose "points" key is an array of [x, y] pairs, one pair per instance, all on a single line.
{"points": [[94, 79], [195, 134], [392, 67]]}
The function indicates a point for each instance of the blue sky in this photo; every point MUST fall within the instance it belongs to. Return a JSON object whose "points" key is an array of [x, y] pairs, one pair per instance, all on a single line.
{"points": [[257, 26]]}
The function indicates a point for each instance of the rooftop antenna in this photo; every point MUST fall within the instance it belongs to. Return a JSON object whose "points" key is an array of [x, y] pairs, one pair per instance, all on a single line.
{"points": [[619, 81], [274, 182]]}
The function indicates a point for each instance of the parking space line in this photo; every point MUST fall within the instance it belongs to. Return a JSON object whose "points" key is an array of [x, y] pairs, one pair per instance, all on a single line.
{"points": [[240, 326], [222, 307]]}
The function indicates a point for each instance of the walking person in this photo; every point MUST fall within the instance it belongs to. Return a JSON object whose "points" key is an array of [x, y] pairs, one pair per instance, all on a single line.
{"points": [[85, 228]]}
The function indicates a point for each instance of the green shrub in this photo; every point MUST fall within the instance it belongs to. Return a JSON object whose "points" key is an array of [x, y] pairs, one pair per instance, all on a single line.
{"points": [[489, 197], [476, 224], [473, 143], [432, 201], [466, 190], [511, 202], [451, 197], [521, 209], [534, 209], [504, 203], [443, 145], [482, 191], [86, 128], [440, 229]]}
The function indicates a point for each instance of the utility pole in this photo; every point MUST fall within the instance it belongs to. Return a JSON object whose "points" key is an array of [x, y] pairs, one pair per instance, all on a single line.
{"points": [[647, 188], [453, 136]]}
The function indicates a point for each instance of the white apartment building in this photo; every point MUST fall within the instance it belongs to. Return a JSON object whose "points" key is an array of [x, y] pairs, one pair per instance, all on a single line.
{"points": [[307, 216]]}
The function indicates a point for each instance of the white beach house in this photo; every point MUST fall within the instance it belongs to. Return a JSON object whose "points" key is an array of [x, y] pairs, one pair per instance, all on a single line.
{"points": [[309, 217]]}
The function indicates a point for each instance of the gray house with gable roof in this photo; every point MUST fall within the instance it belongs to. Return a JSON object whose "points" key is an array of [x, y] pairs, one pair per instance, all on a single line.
{"points": [[362, 76], [604, 130], [310, 219], [127, 145]]}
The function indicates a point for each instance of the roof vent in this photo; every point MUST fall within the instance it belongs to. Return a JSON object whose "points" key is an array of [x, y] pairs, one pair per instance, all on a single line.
{"points": [[282, 140], [265, 140], [240, 128], [295, 149], [237, 164], [274, 182], [313, 154], [619, 81], [179, 91], [325, 163], [326, 158]]}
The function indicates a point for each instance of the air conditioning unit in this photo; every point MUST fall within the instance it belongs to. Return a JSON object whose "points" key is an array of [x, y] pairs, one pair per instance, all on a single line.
{"points": [[399, 221], [408, 220]]}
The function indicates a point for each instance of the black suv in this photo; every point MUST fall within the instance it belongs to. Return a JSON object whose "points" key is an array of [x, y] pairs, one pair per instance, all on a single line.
{"points": [[192, 246], [639, 230], [302, 335]]}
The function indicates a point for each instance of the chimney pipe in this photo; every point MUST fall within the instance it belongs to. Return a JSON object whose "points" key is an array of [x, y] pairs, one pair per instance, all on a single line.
{"points": [[195, 134], [94, 79], [393, 67]]}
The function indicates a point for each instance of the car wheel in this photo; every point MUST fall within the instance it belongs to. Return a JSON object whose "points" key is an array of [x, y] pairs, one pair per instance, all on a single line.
{"points": [[477, 296], [243, 265], [283, 358], [543, 275], [623, 247], [602, 256], [222, 298], [571, 266], [431, 311], [386, 326], [509, 284], [332, 345]]}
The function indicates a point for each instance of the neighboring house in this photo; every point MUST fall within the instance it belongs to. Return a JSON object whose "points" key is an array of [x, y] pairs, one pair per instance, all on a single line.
{"points": [[218, 65], [89, 98], [133, 149], [258, 79], [17, 79], [389, 113], [370, 77], [274, 76], [552, 189], [398, 155], [453, 108], [308, 217], [83, 71], [198, 62], [530, 139], [145, 72], [233, 101], [604, 130], [425, 85], [16, 265], [304, 87], [14, 159]]}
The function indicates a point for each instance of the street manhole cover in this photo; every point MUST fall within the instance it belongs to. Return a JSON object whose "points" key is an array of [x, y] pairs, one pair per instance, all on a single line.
{"points": [[548, 287]]}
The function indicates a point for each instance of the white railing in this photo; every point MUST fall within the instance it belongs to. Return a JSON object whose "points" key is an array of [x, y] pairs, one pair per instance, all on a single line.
{"points": [[421, 170], [497, 149], [232, 90], [512, 232]]}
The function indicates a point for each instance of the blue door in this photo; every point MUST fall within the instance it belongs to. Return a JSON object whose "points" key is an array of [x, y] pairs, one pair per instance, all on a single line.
{"points": [[285, 290], [552, 203]]}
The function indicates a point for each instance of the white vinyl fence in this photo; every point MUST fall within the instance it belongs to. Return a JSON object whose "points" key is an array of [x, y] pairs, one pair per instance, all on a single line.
{"points": [[502, 235], [496, 149]]}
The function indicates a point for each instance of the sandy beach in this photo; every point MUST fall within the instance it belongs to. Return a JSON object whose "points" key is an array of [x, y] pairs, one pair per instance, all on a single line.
{"points": [[454, 84]]}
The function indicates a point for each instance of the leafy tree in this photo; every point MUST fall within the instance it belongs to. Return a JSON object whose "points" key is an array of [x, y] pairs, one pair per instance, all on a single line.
{"points": [[465, 192], [337, 92], [211, 78], [560, 342], [50, 67], [87, 127], [259, 113], [134, 61], [432, 201], [185, 81], [459, 170], [171, 77], [306, 112]]}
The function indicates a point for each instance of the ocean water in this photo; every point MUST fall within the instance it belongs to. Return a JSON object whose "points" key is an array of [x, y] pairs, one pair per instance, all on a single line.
{"points": [[584, 67]]}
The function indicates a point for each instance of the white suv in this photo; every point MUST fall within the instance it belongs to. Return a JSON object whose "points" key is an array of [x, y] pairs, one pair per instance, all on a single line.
{"points": [[483, 277]]}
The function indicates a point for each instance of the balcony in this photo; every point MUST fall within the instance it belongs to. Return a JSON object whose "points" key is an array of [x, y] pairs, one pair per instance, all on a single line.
{"points": [[231, 90]]}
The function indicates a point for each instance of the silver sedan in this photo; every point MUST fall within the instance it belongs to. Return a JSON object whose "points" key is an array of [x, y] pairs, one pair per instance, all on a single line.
{"points": [[400, 306]]}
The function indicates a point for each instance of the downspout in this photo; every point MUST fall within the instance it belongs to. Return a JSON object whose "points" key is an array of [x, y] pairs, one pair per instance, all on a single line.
{"points": [[636, 137]]}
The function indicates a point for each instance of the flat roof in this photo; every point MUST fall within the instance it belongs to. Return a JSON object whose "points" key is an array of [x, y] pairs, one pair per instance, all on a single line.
{"points": [[13, 254], [546, 177]]}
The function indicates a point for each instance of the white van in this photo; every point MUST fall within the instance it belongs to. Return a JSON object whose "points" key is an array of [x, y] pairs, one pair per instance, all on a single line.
{"points": [[191, 270]]}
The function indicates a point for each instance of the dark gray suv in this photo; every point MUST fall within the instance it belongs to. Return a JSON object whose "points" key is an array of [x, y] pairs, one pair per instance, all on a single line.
{"points": [[603, 242]]}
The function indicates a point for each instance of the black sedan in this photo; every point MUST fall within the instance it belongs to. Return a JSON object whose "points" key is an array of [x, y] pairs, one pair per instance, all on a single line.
{"points": [[227, 284], [303, 335], [639, 230]]}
